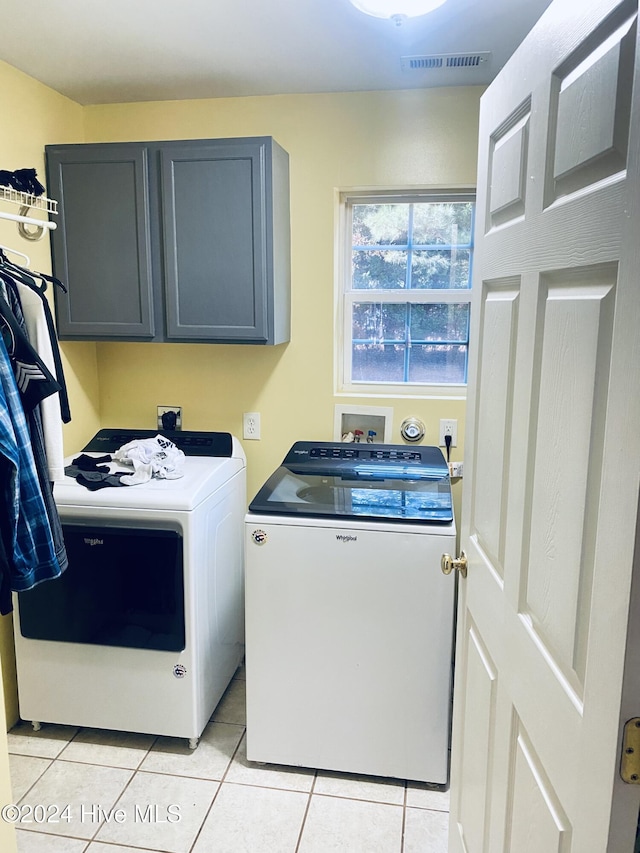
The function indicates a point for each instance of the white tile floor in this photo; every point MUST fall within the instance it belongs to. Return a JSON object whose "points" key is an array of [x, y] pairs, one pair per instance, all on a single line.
{"points": [[126, 791]]}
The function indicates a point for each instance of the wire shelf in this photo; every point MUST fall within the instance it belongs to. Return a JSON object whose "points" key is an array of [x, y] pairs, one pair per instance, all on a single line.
{"points": [[37, 202]]}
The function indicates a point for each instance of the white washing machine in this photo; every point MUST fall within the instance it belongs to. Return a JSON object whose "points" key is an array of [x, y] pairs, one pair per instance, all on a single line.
{"points": [[145, 629], [349, 618]]}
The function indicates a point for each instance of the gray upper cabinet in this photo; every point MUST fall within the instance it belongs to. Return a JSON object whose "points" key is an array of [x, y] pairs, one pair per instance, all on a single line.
{"points": [[102, 245], [172, 241]]}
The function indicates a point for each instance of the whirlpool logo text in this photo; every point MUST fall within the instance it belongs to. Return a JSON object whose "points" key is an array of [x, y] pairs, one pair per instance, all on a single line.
{"points": [[343, 537]]}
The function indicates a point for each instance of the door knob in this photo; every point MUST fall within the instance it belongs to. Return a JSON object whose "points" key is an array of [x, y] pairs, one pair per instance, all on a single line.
{"points": [[448, 564]]}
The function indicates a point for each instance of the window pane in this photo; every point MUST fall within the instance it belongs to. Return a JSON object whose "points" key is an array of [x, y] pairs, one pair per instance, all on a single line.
{"points": [[380, 224], [376, 322], [405, 249], [438, 364], [447, 223], [446, 268], [377, 269], [439, 321], [377, 363]]}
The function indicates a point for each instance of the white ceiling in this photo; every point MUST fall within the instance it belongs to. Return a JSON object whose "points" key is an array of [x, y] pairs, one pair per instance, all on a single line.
{"points": [[115, 51]]}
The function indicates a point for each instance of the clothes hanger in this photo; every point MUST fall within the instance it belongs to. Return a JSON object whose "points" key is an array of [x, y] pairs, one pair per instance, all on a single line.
{"points": [[29, 273], [16, 252]]}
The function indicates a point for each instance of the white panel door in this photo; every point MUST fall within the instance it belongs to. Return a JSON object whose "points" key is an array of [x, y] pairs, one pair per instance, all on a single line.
{"points": [[553, 448]]}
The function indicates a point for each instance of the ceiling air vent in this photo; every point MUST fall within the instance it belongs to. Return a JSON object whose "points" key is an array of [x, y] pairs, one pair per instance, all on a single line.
{"points": [[410, 63], [445, 60]]}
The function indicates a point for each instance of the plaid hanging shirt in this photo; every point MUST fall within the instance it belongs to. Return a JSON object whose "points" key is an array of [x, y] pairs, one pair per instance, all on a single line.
{"points": [[26, 533]]}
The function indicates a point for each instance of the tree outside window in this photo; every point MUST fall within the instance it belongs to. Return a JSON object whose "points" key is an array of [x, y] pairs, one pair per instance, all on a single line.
{"points": [[407, 289]]}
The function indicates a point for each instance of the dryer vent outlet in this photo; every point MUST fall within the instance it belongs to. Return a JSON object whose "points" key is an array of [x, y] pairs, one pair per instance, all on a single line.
{"points": [[169, 417]]}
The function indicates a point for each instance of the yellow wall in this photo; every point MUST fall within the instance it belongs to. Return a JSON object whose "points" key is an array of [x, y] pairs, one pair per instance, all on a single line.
{"points": [[375, 139]]}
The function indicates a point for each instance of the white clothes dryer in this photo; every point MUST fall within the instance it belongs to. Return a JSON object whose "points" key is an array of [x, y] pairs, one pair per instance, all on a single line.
{"points": [[145, 628]]}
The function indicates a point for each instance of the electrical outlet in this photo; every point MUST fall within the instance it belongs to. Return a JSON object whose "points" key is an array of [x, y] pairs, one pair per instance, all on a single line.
{"points": [[456, 469], [169, 417], [448, 427], [251, 425]]}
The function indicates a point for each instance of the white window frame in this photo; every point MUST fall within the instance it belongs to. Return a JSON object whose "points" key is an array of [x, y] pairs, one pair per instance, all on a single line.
{"points": [[345, 296]]}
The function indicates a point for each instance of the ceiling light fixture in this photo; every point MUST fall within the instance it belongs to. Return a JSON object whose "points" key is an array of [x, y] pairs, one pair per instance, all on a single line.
{"points": [[397, 10]]}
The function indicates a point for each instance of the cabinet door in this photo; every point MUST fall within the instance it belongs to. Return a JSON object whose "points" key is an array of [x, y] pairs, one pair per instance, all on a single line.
{"points": [[101, 248], [216, 224]]}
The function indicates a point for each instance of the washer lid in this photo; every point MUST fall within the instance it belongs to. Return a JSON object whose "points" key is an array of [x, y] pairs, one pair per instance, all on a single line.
{"points": [[386, 482]]}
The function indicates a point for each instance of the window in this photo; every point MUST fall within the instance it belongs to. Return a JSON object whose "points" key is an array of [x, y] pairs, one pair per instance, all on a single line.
{"points": [[405, 293]]}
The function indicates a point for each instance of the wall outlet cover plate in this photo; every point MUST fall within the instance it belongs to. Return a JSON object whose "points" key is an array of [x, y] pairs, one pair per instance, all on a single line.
{"points": [[169, 417]]}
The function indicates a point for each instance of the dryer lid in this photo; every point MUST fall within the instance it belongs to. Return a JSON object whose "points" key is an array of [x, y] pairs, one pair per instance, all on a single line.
{"points": [[211, 460]]}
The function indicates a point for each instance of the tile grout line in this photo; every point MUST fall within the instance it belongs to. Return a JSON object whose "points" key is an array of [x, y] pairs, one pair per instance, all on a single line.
{"points": [[404, 815], [117, 845], [306, 812], [324, 794], [215, 796], [117, 800], [35, 781]]}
